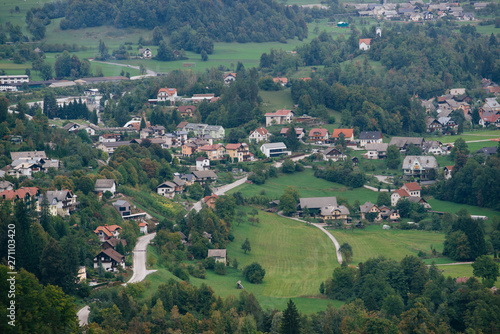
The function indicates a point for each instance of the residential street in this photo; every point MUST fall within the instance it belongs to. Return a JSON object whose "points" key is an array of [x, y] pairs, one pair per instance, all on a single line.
{"points": [[83, 315], [220, 191]]}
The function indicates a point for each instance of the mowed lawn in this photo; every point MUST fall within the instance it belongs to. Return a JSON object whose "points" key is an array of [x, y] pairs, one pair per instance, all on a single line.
{"points": [[373, 242], [308, 186], [297, 258], [451, 207]]}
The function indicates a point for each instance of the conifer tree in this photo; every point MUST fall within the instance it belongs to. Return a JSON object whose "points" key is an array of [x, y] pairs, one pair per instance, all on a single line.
{"points": [[291, 320]]}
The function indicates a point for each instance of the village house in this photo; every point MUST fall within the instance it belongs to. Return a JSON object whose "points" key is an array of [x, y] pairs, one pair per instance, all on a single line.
{"points": [[419, 166], [433, 125], [167, 94], [218, 254], [281, 116], [272, 150], [6, 185], [318, 135], [339, 213], [403, 142], [143, 227], [364, 43], [489, 118], [376, 151], [60, 202], [412, 188], [204, 176], [123, 207], [186, 111], [145, 53], [171, 188], [103, 185], [109, 137], [213, 152], [315, 204], [433, 147], [369, 137], [299, 132], [152, 131], [210, 201], [348, 134], [229, 77], [282, 81], [369, 207], [107, 231], [110, 260], [333, 154], [215, 131], [239, 152], [258, 135], [447, 172], [110, 148], [113, 242], [28, 195], [202, 163]]}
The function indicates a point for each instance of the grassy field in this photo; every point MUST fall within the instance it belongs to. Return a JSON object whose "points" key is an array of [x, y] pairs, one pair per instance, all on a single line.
{"points": [[308, 186], [467, 136], [395, 244], [445, 206], [286, 249], [274, 100]]}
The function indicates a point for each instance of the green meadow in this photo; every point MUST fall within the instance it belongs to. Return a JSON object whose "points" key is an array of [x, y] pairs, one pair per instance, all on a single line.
{"points": [[297, 257]]}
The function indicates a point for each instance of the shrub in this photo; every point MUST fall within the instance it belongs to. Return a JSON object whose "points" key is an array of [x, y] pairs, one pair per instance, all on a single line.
{"points": [[220, 268], [182, 273], [254, 273]]}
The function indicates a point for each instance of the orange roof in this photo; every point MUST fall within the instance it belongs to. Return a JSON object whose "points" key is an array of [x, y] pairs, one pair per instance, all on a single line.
{"points": [[281, 112], [206, 198], [19, 193], [112, 228], [283, 80], [348, 133], [210, 147], [143, 224], [104, 230], [402, 193], [318, 132], [229, 74], [233, 146], [448, 167], [305, 79], [169, 91], [412, 186], [367, 41]]}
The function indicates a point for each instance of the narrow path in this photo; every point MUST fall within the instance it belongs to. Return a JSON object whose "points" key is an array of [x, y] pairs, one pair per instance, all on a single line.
{"points": [[450, 264], [321, 227], [375, 189], [221, 191], [149, 72]]}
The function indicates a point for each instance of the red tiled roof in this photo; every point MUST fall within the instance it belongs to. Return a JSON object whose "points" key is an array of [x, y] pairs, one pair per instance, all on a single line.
{"points": [[367, 41], [182, 125], [229, 74], [183, 109], [206, 198], [104, 230], [348, 133], [169, 91], [143, 224], [262, 131], [283, 80], [412, 186], [19, 193], [112, 228], [402, 193], [492, 118], [233, 146], [281, 112]]}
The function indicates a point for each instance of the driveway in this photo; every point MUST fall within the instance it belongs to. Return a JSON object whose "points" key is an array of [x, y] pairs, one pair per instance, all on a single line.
{"points": [[220, 191], [83, 315]]}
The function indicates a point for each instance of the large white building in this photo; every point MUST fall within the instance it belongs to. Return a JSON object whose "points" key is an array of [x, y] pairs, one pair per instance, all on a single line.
{"points": [[13, 79], [272, 150]]}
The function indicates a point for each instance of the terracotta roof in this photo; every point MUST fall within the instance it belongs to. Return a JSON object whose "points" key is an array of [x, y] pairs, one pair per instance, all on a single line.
{"points": [[491, 118], [183, 109], [182, 125], [169, 91], [233, 146], [112, 228], [347, 133], [143, 224], [283, 80], [104, 230], [229, 74], [281, 112], [449, 167], [367, 41], [402, 193], [321, 132], [412, 186], [210, 147], [206, 198], [19, 193]]}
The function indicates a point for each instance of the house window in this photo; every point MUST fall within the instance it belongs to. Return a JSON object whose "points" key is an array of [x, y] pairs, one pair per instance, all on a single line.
{"points": [[122, 208]]}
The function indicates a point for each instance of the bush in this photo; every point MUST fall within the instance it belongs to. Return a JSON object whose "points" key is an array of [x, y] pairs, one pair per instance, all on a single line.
{"points": [[220, 268], [254, 273], [182, 273], [197, 271], [209, 263]]}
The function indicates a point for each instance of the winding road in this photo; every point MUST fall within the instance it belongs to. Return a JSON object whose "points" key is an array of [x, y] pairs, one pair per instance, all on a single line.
{"points": [[140, 271]]}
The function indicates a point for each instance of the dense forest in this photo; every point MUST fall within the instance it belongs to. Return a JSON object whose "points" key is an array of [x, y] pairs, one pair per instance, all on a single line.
{"points": [[229, 21]]}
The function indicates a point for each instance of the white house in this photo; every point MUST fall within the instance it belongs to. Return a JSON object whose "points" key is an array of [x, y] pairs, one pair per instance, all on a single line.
{"points": [[282, 116], [110, 260], [272, 150], [364, 43], [167, 94], [258, 135], [103, 185], [369, 137], [229, 77], [143, 227], [202, 163], [145, 53], [218, 254]]}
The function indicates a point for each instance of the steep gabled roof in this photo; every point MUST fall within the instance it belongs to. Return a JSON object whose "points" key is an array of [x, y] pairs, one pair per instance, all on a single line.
{"points": [[281, 112], [412, 186], [348, 133], [367, 41]]}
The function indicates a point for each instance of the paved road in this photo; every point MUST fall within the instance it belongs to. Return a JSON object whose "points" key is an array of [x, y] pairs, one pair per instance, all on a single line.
{"points": [[149, 72], [140, 272], [321, 227], [83, 315], [140, 257], [375, 189], [221, 191]]}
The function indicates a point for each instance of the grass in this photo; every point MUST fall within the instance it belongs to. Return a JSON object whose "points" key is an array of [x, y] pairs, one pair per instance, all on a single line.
{"points": [[308, 186], [286, 249], [460, 270], [275, 100], [373, 242], [467, 136], [444, 206]]}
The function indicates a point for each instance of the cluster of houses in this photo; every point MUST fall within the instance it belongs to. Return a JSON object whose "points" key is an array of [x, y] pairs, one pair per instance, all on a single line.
{"points": [[27, 163], [177, 185], [416, 10]]}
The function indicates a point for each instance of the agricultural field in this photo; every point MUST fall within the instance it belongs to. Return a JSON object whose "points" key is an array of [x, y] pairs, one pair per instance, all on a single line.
{"points": [[444, 206], [286, 249], [274, 100]]}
